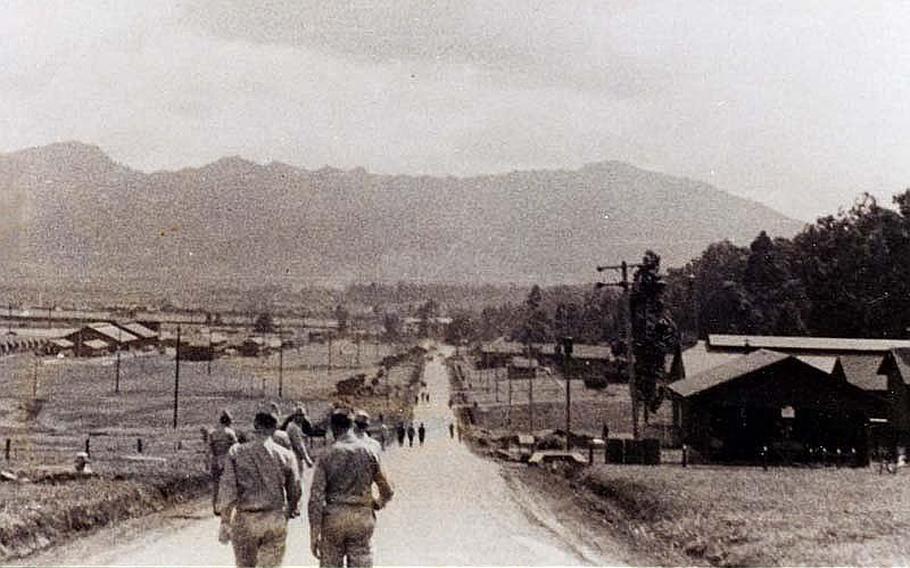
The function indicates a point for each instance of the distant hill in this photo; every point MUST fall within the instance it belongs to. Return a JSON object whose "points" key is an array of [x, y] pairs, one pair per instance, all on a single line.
{"points": [[71, 214]]}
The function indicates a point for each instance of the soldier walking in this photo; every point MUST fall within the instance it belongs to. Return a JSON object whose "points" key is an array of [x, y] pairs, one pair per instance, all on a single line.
{"points": [[400, 432], [361, 427], [342, 507], [220, 442], [298, 427], [421, 433], [259, 492], [411, 435]]}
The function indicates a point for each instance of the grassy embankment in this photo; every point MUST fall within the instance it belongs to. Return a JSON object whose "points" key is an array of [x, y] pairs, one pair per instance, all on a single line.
{"points": [[728, 516], [75, 401]]}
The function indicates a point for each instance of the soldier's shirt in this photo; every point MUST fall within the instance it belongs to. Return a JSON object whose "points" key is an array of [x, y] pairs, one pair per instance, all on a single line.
{"points": [[260, 475], [282, 439], [366, 439], [345, 475]]}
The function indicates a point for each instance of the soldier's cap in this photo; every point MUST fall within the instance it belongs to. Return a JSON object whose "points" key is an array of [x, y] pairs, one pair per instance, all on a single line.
{"points": [[300, 410], [341, 418], [267, 414], [361, 416], [226, 416], [83, 456]]}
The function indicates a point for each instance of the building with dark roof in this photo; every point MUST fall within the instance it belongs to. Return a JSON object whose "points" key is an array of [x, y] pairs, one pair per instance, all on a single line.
{"points": [[896, 368], [767, 399], [145, 337]]}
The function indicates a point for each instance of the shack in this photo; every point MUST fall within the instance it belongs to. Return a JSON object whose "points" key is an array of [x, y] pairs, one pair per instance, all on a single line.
{"points": [[770, 400]]}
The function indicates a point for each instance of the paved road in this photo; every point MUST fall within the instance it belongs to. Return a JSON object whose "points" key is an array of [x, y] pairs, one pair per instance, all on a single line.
{"points": [[451, 508]]}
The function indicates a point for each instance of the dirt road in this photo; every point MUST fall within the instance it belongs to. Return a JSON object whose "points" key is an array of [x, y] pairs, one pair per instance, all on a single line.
{"points": [[451, 508]]}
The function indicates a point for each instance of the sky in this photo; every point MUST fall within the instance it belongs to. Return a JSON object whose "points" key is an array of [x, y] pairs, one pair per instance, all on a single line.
{"points": [[799, 104]]}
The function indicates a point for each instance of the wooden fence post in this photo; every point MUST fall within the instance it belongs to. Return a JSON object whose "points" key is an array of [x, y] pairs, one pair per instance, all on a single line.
{"points": [[6, 449]]}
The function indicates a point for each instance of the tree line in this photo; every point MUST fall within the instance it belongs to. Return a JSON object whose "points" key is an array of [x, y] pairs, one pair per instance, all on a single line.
{"points": [[846, 275]]}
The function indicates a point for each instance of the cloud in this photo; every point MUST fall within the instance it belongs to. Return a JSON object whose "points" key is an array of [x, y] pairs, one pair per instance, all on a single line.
{"points": [[801, 106], [510, 41]]}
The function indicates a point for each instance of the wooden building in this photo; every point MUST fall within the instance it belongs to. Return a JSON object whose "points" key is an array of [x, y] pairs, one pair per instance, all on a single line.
{"points": [[767, 399]]}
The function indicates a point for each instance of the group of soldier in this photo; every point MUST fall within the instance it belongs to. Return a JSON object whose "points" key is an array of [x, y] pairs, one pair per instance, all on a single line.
{"points": [[258, 487]]}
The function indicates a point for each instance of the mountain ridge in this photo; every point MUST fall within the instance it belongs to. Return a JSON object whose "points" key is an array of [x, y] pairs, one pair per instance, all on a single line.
{"points": [[92, 218]]}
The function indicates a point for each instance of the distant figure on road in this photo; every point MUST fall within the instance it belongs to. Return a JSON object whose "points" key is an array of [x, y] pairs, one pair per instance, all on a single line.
{"points": [[220, 442], [451, 430], [342, 509], [605, 432], [411, 435], [400, 432], [296, 426], [360, 430], [259, 492], [421, 433]]}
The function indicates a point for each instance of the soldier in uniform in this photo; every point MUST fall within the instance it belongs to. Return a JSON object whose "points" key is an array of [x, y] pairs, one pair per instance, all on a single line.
{"points": [[298, 427], [220, 441], [342, 507], [360, 430], [259, 492]]}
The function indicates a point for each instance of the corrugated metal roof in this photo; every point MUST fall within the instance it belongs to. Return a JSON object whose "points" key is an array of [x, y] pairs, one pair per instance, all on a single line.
{"points": [[113, 332], [697, 359], [579, 351], [804, 343], [63, 343], [820, 362], [862, 371], [52, 333], [95, 344], [138, 330], [901, 358], [523, 363], [728, 371]]}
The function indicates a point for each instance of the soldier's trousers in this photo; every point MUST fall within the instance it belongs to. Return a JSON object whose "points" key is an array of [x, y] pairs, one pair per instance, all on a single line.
{"points": [[259, 538], [346, 533]]}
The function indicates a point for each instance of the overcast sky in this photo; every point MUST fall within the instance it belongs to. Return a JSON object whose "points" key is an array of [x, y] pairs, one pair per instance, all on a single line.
{"points": [[797, 104]]}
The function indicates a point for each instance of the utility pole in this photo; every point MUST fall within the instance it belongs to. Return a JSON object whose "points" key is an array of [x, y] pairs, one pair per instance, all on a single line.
{"points": [[532, 374], [177, 378], [35, 379], [358, 350], [117, 372], [208, 368], [9, 318], [567, 343], [329, 367], [281, 367], [509, 377], [630, 353]]}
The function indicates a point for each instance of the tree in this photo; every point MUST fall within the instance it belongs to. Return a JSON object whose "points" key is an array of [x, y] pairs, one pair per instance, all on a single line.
{"points": [[461, 329], [342, 317], [264, 323], [392, 325], [426, 313], [536, 325], [653, 332]]}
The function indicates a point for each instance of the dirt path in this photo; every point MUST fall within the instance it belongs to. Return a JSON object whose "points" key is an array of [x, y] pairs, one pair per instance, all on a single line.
{"points": [[451, 508]]}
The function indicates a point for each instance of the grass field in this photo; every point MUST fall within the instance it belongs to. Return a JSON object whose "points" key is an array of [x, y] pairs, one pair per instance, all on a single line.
{"points": [[591, 408], [75, 401], [746, 516]]}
